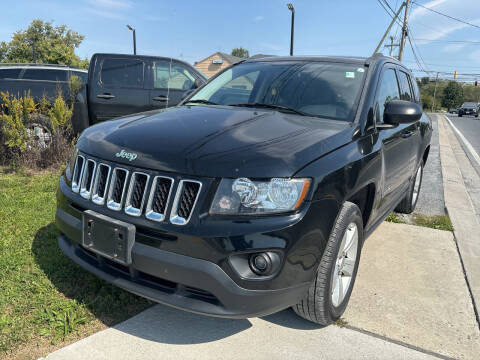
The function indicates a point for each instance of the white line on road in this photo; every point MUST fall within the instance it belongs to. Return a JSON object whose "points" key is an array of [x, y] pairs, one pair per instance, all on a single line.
{"points": [[465, 141]]}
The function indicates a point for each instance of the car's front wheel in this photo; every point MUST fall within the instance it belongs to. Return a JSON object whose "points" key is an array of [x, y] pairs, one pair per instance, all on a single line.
{"points": [[328, 295]]}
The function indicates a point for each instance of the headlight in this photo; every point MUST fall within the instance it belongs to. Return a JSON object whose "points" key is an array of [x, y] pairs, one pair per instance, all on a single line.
{"points": [[71, 164], [244, 196]]}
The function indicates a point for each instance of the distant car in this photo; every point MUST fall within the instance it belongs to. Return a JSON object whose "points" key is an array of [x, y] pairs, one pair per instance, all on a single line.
{"points": [[454, 111], [38, 79], [468, 108]]}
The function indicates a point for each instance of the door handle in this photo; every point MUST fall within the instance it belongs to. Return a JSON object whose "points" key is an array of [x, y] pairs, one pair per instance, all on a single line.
{"points": [[407, 134], [105, 96], [160, 98]]}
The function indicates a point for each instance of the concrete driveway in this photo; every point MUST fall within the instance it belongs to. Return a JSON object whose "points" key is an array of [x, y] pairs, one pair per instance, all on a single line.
{"points": [[410, 302]]}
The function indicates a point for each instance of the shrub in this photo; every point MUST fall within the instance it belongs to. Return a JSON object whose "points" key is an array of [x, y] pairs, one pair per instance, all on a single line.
{"points": [[35, 135]]}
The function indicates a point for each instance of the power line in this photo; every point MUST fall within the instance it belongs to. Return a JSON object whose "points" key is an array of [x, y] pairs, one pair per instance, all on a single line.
{"points": [[451, 41], [447, 16]]}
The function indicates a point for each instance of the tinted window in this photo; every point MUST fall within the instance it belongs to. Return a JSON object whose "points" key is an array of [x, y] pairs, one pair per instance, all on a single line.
{"points": [[9, 73], [45, 74], [416, 92], [320, 89], [82, 75], [386, 92], [405, 92], [122, 72], [174, 76]]}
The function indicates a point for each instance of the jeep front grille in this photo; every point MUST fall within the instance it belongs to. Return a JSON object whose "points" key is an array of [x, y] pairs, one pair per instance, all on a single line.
{"points": [[135, 194], [185, 200], [159, 198], [100, 184], [87, 179], [117, 189]]}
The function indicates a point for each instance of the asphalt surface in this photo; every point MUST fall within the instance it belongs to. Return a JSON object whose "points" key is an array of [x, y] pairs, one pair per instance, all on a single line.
{"points": [[469, 126]]}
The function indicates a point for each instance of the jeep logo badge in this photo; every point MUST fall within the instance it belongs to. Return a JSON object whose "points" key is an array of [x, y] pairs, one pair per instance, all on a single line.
{"points": [[126, 155]]}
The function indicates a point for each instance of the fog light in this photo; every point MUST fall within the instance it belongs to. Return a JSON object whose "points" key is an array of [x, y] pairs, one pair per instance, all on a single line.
{"points": [[264, 263]]}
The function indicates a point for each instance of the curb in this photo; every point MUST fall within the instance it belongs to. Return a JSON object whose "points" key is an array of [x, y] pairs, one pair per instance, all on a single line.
{"points": [[460, 208]]}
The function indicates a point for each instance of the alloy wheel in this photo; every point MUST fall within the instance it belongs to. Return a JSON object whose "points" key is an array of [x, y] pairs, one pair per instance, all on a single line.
{"points": [[345, 264]]}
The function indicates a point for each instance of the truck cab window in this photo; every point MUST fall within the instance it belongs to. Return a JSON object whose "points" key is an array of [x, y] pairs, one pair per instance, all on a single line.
{"points": [[172, 76], [386, 92], [122, 72]]}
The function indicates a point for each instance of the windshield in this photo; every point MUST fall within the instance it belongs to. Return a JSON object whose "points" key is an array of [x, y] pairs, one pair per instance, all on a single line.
{"points": [[323, 89], [469, 104]]}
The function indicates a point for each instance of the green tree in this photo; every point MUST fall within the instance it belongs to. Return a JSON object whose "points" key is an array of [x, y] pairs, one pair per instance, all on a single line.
{"points": [[240, 52], [452, 95], [52, 44]]}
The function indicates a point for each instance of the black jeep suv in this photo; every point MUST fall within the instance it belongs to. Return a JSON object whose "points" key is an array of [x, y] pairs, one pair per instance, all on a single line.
{"points": [[254, 194]]}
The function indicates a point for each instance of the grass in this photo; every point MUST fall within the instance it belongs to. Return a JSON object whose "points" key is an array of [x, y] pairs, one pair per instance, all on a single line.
{"points": [[393, 217], [45, 299], [439, 222]]}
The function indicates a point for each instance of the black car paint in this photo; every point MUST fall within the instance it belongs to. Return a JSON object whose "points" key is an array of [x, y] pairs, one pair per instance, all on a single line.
{"points": [[343, 159]]}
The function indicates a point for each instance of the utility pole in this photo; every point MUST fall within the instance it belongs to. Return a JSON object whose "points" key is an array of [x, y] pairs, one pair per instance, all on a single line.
{"points": [[434, 92], [292, 9], [389, 28], [404, 31], [391, 46]]}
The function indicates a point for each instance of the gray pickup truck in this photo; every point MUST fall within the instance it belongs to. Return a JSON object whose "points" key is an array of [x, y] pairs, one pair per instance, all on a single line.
{"points": [[115, 85]]}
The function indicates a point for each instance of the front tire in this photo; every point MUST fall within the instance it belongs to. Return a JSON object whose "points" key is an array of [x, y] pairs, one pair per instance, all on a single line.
{"points": [[407, 205], [329, 293]]}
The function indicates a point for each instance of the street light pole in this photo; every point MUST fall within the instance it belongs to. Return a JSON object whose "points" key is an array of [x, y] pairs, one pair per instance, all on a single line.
{"points": [[292, 9], [134, 39]]}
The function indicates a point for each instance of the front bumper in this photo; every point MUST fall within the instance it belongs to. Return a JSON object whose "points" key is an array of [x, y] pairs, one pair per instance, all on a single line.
{"points": [[193, 273]]}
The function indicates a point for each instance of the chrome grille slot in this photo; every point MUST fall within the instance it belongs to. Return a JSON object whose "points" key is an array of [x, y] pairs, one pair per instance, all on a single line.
{"points": [[185, 200], [159, 198], [117, 189], [87, 179], [77, 173], [136, 193], [101, 184]]}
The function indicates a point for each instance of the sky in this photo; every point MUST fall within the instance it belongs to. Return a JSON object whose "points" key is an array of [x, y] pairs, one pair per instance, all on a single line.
{"points": [[192, 30]]}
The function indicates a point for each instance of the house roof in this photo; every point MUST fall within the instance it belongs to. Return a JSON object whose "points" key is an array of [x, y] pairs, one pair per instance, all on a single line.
{"points": [[230, 58]]}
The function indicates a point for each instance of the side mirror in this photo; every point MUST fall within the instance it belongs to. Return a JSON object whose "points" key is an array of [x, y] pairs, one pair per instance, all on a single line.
{"points": [[197, 83], [401, 112]]}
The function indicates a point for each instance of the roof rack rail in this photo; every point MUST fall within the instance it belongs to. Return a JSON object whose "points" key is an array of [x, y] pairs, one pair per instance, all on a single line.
{"points": [[35, 64]]}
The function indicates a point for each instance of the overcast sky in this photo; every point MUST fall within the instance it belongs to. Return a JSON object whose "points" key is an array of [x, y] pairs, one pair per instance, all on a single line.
{"points": [[192, 30]]}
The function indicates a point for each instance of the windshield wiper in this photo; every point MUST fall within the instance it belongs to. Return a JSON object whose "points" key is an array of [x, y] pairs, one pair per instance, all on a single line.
{"points": [[272, 106], [201, 101]]}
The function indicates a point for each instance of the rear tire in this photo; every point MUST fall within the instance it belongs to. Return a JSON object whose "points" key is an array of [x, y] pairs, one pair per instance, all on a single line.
{"points": [[330, 291], [407, 205]]}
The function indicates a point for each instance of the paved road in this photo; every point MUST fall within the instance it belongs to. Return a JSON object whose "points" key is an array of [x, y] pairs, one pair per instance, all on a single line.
{"points": [[469, 126]]}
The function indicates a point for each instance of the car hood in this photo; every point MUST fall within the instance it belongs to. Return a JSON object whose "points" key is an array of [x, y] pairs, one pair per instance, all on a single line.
{"points": [[220, 141]]}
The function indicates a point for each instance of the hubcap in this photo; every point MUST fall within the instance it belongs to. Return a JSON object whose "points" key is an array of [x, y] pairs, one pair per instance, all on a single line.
{"points": [[345, 264], [416, 186]]}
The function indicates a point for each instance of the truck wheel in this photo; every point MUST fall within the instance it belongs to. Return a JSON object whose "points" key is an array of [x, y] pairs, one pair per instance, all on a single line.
{"points": [[407, 205], [330, 291]]}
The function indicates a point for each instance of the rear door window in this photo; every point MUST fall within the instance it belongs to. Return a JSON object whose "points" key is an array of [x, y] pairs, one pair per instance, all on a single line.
{"points": [[405, 90], [173, 76], [9, 73], [45, 74], [118, 72]]}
